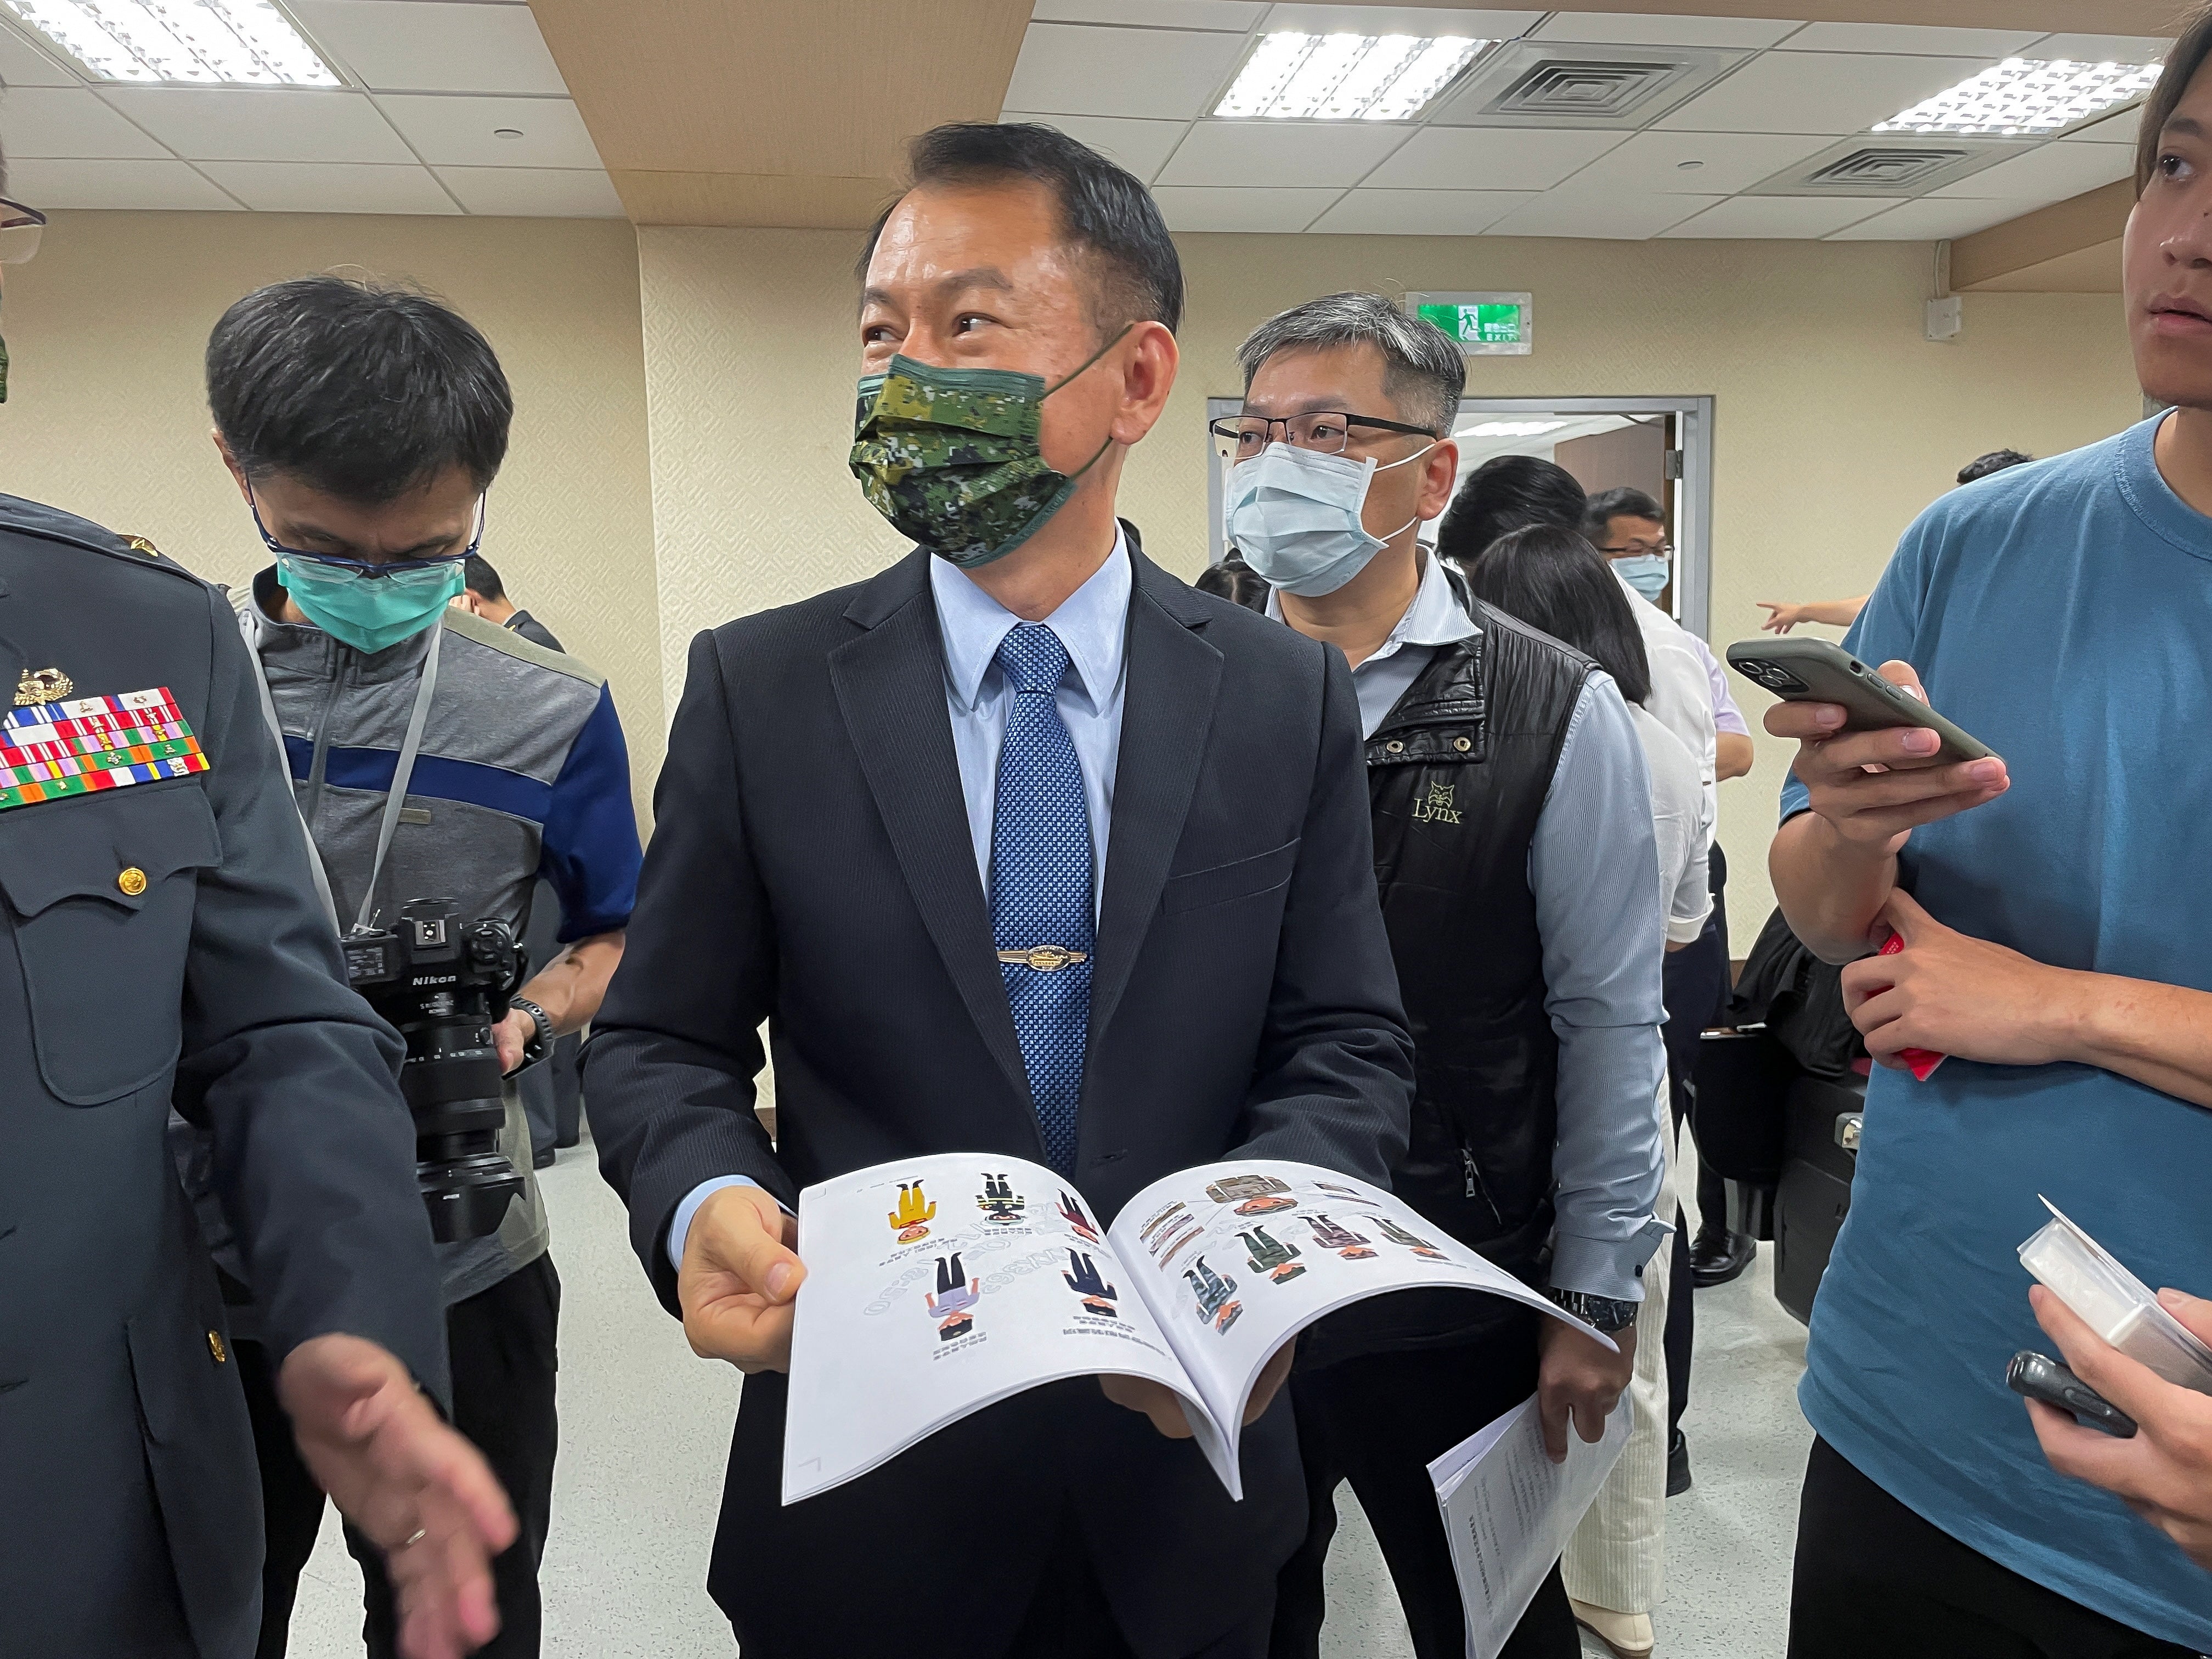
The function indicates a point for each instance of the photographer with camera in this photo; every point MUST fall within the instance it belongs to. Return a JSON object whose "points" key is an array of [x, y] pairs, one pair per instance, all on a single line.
{"points": [[441, 764]]}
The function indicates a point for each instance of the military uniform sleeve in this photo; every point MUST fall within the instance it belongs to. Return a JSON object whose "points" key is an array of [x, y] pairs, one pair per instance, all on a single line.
{"points": [[294, 1075]]}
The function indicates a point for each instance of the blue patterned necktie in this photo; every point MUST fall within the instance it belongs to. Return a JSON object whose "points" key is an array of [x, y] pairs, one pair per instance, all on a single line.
{"points": [[1041, 885]]}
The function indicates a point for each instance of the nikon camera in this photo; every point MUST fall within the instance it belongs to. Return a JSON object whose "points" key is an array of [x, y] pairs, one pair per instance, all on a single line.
{"points": [[444, 984]]}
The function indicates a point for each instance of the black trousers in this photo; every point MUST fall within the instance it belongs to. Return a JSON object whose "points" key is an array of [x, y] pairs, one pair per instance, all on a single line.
{"points": [[1379, 1421], [1069, 1617], [1874, 1577], [1696, 985], [503, 1359]]}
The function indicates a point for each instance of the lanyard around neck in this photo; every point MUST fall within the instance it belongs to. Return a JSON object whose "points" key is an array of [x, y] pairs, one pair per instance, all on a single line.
{"points": [[402, 774]]}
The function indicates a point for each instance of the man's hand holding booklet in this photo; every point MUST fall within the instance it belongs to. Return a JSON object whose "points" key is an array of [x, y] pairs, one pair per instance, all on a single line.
{"points": [[938, 1286]]}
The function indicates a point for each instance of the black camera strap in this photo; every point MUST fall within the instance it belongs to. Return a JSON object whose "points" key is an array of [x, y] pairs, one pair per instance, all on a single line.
{"points": [[403, 773]]}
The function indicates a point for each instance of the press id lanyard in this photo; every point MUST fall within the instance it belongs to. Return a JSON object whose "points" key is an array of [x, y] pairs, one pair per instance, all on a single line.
{"points": [[395, 798]]}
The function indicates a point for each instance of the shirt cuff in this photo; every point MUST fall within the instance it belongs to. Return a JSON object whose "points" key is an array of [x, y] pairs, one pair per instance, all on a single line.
{"points": [[679, 1225], [1610, 1268], [1688, 930]]}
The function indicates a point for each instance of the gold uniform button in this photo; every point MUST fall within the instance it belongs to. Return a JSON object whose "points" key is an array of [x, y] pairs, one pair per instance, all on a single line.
{"points": [[132, 881], [215, 1347]]}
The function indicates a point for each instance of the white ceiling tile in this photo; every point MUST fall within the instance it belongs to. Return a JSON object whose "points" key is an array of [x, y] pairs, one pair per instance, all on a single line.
{"points": [[1339, 153], [1931, 220], [2102, 48], [1490, 158], [1363, 19], [136, 186], [1724, 162], [1577, 213], [1909, 38], [331, 187], [69, 122], [258, 123], [1786, 218], [431, 47], [2122, 129], [1630, 29], [25, 65], [1235, 16], [1419, 212], [534, 192], [1073, 69], [2049, 172], [1143, 147], [1834, 93], [464, 131], [1213, 208]]}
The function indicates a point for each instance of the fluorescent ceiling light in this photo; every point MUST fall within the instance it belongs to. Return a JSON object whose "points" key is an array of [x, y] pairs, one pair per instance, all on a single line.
{"points": [[1510, 429], [204, 42], [1345, 77], [2025, 95]]}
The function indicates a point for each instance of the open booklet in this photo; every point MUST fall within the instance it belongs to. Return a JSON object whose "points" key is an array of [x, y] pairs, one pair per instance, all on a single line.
{"points": [[942, 1285]]}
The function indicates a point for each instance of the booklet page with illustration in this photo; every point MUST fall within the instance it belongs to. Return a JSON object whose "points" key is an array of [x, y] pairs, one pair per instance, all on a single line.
{"points": [[942, 1285]]}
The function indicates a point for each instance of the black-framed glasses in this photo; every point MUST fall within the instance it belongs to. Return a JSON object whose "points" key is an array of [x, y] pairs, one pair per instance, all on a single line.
{"points": [[19, 225], [335, 567], [1665, 550], [1241, 437]]}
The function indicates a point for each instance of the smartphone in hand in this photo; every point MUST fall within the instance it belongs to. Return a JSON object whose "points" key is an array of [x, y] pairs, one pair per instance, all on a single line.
{"points": [[1818, 670]]}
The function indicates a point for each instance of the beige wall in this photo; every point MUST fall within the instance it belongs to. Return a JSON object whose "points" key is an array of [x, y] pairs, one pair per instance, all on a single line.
{"points": [[1835, 421], [107, 414]]}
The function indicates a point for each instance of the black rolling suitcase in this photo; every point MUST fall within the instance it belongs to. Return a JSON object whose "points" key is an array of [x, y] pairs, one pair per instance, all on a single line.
{"points": [[1821, 1118]]}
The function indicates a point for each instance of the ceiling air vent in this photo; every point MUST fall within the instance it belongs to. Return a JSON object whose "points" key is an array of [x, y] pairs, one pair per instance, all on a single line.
{"points": [[1575, 86], [1884, 169], [1864, 167], [1549, 84]]}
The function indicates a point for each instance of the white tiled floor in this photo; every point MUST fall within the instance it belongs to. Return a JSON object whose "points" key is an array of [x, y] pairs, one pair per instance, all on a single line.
{"points": [[646, 1427]]}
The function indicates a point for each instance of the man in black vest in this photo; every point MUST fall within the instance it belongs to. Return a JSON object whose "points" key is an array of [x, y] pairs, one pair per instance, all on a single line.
{"points": [[1514, 855]]}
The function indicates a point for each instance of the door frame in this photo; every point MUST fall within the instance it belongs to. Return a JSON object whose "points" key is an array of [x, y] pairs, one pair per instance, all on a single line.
{"points": [[1694, 494]]}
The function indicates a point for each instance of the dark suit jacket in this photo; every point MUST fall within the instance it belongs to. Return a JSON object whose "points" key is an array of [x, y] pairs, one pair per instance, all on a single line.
{"points": [[129, 1502], [812, 867]]}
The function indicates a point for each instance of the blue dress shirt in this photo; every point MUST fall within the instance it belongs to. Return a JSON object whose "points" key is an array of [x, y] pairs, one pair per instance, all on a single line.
{"points": [[1604, 932], [1093, 624]]}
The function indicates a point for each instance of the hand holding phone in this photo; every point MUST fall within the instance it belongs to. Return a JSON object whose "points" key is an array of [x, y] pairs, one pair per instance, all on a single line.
{"points": [[1875, 760]]}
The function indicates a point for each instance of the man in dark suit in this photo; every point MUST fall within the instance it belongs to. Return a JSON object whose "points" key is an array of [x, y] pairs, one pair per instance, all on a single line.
{"points": [[159, 938], [1020, 846]]}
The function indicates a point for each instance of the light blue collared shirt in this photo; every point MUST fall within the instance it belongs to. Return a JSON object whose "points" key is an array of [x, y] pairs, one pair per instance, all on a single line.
{"points": [[1604, 935], [1093, 624]]}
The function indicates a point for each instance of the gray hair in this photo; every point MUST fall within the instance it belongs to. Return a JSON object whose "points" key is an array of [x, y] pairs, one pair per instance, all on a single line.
{"points": [[1424, 370]]}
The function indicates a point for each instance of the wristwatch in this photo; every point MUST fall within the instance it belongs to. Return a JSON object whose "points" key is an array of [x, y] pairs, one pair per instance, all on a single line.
{"points": [[540, 1042], [1600, 1313]]}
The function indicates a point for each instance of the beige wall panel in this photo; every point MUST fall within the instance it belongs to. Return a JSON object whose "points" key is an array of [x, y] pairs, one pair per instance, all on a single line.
{"points": [[2087, 271], [1837, 422], [107, 414]]}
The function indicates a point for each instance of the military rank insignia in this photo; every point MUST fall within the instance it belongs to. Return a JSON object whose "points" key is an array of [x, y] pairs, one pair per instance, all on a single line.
{"points": [[90, 743]]}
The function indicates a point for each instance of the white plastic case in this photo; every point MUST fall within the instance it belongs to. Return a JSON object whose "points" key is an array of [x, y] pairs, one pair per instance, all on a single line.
{"points": [[2113, 1302]]}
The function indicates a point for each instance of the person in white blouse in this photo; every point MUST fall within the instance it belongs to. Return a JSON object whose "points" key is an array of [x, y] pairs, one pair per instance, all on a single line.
{"points": [[1550, 578]]}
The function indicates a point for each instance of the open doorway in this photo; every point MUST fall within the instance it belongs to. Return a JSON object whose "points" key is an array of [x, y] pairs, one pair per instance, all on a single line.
{"points": [[1662, 445]]}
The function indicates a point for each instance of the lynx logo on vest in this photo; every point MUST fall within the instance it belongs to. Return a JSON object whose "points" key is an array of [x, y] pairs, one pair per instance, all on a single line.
{"points": [[1438, 808]]}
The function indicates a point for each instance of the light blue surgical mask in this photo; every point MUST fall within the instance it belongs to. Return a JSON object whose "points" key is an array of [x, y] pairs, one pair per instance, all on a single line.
{"points": [[1647, 572], [1294, 514], [369, 612]]}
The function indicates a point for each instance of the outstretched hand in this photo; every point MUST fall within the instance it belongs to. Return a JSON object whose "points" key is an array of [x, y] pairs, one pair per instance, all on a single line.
{"points": [[738, 1277], [419, 1491]]}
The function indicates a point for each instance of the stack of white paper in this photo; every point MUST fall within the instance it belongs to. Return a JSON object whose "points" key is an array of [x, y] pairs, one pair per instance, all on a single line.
{"points": [[1509, 1510]]}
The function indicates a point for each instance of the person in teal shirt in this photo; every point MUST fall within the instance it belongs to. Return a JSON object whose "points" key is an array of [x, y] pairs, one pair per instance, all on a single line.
{"points": [[2055, 910]]}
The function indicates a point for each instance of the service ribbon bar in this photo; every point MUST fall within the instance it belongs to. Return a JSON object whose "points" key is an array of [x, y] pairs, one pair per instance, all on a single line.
{"points": [[89, 743]]}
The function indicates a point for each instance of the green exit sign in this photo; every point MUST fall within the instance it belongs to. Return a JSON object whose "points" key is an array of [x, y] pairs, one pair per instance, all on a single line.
{"points": [[1485, 325]]}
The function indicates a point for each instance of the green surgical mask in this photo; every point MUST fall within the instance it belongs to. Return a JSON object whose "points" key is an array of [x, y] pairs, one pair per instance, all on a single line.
{"points": [[369, 613], [951, 456]]}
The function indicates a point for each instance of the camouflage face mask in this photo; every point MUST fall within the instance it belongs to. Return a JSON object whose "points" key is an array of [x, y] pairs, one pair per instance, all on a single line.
{"points": [[949, 456]]}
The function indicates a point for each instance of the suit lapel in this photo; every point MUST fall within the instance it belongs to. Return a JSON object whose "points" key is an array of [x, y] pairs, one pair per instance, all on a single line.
{"points": [[1167, 712], [890, 683]]}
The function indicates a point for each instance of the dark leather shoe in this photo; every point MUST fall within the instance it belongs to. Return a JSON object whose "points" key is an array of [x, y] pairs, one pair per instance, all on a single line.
{"points": [[1716, 1260], [542, 1159], [1678, 1466]]}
